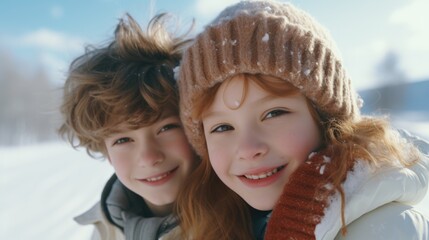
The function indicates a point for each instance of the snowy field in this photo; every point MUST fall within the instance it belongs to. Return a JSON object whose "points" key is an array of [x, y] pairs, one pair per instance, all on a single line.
{"points": [[43, 186]]}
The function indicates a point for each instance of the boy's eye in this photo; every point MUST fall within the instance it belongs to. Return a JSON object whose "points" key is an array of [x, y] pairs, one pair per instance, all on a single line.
{"points": [[222, 128], [169, 127], [122, 140], [275, 113]]}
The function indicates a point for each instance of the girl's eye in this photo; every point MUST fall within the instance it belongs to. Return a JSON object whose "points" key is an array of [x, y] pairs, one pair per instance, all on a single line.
{"points": [[122, 140], [275, 113], [169, 127], [222, 128]]}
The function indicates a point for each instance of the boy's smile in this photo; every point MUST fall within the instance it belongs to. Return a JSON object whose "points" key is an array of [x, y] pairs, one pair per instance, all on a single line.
{"points": [[153, 161], [256, 139], [159, 179]]}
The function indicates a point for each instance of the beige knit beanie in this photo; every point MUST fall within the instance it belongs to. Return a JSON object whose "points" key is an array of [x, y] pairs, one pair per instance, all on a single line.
{"points": [[265, 37]]}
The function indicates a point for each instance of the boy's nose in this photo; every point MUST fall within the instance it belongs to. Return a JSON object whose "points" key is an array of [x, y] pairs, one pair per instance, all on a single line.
{"points": [[150, 156]]}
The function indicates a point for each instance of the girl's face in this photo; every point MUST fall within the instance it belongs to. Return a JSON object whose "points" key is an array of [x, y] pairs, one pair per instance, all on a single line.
{"points": [[255, 143]]}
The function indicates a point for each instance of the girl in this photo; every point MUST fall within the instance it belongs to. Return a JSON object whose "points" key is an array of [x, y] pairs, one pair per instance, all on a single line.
{"points": [[269, 107]]}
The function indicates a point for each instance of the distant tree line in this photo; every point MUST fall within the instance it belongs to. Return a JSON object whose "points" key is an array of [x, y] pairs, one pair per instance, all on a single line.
{"points": [[395, 93], [29, 103], [390, 76]]}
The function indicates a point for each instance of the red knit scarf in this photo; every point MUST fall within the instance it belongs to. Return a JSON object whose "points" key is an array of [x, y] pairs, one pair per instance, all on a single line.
{"points": [[303, 201]]}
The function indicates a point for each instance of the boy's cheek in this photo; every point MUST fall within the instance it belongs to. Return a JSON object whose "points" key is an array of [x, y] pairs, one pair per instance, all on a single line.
{"points": [[108, 159]]}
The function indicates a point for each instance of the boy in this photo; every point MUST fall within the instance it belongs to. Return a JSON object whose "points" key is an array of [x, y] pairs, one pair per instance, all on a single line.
{"points": [[121, 101]]}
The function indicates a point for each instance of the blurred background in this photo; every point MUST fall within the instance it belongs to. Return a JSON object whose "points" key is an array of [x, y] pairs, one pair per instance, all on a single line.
{"points": [[44, 182]]}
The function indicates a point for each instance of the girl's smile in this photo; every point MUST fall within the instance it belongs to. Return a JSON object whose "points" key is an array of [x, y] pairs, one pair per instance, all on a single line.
{"points": [[256, 139], [262, 178]]}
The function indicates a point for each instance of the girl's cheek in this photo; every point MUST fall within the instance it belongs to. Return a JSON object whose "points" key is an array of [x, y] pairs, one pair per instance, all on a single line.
{"points": [[214, 146], [216, 156], [213, 153]]}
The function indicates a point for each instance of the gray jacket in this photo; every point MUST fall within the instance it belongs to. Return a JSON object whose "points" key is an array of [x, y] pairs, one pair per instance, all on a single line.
{"points": [[122, 212]]}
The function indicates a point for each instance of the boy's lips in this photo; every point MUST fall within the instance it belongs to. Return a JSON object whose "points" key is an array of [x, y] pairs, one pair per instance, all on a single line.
{"points": [[158, 177]]}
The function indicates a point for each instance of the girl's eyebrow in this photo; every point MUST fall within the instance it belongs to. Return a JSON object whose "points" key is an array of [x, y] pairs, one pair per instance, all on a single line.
{"points": [[267, 98], [210, 114]]}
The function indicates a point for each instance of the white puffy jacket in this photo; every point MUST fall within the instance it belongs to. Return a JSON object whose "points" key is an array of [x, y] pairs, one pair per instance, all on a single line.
{"points": [[379, 203]]}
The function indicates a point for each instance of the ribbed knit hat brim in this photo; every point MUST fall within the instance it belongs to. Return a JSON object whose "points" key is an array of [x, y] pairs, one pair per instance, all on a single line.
{"points": [[264, 37]]}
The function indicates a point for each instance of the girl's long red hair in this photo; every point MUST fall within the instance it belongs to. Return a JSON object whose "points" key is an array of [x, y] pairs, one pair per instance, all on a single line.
{"points": [[210, 210]]}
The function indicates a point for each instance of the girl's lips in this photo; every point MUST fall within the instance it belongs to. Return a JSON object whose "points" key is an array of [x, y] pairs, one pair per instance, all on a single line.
{"points": [[159, 178], [263, 171], [262, 178]]}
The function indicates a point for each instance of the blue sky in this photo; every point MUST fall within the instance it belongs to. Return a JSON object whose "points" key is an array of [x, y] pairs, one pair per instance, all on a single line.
{"points": [[48, 34]]}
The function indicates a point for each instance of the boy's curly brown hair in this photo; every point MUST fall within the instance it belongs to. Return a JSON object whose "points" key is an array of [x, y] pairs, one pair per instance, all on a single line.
{"points": [[131, 80]]}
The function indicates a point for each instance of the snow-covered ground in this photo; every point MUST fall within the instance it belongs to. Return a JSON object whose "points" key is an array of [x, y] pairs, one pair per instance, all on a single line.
{"points": [[43, 186]]}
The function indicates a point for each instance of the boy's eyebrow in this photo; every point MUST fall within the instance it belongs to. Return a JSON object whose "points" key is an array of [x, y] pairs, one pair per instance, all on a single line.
{"points": [[168, 113], [123, 127], [116, 130]]}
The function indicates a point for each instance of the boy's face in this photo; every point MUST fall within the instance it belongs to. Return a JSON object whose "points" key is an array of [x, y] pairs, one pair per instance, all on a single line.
{"points": [[152, 161], [254, 147]]}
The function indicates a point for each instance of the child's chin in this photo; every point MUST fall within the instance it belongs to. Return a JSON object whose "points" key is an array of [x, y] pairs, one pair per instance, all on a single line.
{"points": [[262, 205], [163, 202]]}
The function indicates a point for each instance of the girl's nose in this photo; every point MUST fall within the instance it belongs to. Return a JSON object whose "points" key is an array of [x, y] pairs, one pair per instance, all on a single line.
{"points": [[251, 146]]}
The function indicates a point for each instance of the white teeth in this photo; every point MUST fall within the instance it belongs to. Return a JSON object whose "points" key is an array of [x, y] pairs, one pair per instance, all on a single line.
{"points": [[262, 175], [157, 178]]}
